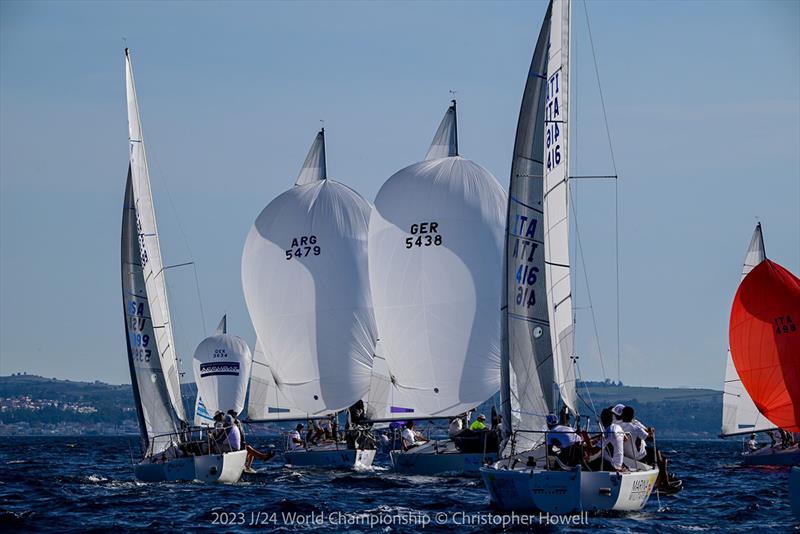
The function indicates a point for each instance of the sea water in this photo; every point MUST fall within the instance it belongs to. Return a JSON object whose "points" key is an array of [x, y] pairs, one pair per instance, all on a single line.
{"points": [[58, 484]]}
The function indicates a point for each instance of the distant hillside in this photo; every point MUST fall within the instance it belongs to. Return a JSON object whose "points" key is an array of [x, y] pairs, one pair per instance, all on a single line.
{"points": [[33, 404]]}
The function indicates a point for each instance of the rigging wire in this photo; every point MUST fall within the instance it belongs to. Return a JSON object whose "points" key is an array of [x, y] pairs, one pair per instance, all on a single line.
{"points": [[616, 181]]}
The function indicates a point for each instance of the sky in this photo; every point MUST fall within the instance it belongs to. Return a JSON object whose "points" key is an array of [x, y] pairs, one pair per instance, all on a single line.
{"points": [[703, 105]]}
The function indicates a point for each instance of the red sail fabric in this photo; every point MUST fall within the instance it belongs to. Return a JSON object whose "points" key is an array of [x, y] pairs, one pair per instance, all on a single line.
{"points": [[765, 342]]}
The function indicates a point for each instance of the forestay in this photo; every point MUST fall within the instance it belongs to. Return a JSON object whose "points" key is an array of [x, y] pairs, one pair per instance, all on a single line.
{"points": [[221, 366], [306, 285], [153, 406], [435, 262], [739, 414], [556, 202], [163, 346], [527, 371]]}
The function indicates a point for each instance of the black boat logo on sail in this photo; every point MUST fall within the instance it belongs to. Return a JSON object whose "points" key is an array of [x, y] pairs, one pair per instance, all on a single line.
{"points": [[219, 368]]}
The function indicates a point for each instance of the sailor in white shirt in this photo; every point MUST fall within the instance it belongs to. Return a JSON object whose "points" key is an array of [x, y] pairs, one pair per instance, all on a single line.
{"points": [[456, 426], [637, 433], [566, 439], [295, 440], [752, 444], [612, 442], [410, 437]]}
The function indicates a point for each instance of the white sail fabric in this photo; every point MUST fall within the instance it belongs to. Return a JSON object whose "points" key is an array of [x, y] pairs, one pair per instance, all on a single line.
{"points": [[306, 285], [150, 250], [739, 413], [435, 262], [445, 142], [221, 366], [265, 401], [556, 203], [386, 401], [527, 391], [314, 167], [153, 406]]}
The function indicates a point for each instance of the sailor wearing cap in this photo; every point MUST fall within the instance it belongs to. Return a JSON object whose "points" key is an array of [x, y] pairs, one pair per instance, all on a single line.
{"points": [[564, 438], [479, 423]]}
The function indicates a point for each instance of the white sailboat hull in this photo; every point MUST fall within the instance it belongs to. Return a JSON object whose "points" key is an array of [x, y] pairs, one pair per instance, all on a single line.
{"points": [[224, 468], [331, 457], [565, 492], [436, 458], [773, 456]]}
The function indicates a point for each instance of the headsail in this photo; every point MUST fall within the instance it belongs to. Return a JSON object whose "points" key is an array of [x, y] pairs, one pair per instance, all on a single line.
{"points": [[150, 250], [739, 414], [527, 363], [556, 202], [765, 342], [314, 167], [153, 406], [445, 142], [265, 401], [435, 263], [306, 285]]}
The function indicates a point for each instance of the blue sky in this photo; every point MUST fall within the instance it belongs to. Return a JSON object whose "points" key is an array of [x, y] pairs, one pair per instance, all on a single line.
{"points": [[703, 101]]}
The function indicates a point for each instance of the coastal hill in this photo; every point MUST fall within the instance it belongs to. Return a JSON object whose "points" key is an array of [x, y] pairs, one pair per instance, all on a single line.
{"points": [[31, 404]]}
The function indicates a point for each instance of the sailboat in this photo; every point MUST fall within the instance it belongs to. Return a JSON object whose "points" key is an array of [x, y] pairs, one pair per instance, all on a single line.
{"points": [[762, 376], [306, 286], [221, 365], [435, 259], [165, 435], [538, 364]]}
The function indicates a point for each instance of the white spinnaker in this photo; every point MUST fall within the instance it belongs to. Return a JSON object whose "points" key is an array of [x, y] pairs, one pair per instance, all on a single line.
{"points": [[153, 406], [435, 262], [556, 203], [221, 366], [265, 401], [739, 413], [527, 373], [386, 400], [306, 285], [150, 250]]}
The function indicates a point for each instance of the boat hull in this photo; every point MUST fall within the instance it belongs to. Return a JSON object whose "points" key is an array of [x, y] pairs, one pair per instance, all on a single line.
{"points": [[566, 492], [331, 458], [438, 459], [773, 456], [224, 468]]}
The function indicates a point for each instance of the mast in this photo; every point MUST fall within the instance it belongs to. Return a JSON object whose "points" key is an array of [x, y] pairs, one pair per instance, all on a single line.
{"points": [[150, 249]]}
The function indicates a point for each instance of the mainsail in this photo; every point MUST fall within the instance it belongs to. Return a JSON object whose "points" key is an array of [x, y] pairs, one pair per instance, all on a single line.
{"points": [[765, 342], [739, 413], [435, 263], [527, 371], [150, 250], [556, 202], [306, 285], [153, 405]]}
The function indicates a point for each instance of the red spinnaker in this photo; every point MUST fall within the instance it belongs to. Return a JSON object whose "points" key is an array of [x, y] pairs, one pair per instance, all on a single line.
{"points": [[765, 342]]}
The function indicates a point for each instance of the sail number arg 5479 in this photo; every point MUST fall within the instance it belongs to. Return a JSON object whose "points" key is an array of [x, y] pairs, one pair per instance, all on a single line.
{"points": [[424, 234], [303, 246]]}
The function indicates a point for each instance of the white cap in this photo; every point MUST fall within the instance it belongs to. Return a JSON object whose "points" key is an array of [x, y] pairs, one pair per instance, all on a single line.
{"points": [[617, 410]]}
